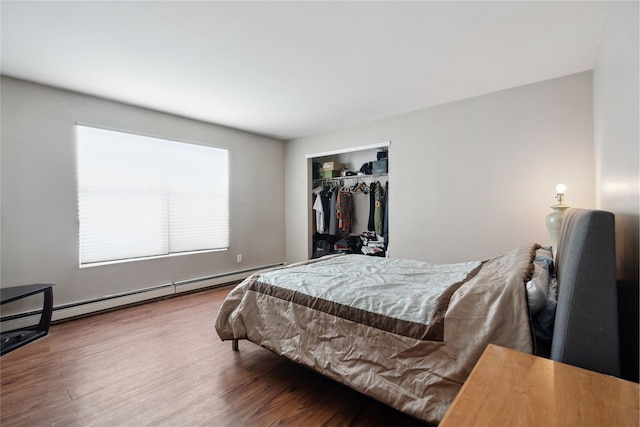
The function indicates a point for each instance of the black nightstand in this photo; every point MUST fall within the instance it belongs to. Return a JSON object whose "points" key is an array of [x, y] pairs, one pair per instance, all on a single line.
{"points": [[11, 340]]}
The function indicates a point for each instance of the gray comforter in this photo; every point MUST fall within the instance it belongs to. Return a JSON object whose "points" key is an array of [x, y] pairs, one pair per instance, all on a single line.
{"points": [[404, 332]]}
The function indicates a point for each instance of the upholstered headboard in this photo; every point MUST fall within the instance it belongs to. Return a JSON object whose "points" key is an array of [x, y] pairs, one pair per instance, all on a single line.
{"points": [[586, 325]]}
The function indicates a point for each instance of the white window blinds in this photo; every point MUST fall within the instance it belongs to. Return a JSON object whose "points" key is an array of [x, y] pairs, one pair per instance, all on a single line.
{"points": [[144, 197]]}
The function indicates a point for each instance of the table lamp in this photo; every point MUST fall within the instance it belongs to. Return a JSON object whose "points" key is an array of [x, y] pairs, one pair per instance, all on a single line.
{"points": [[554, 219]]}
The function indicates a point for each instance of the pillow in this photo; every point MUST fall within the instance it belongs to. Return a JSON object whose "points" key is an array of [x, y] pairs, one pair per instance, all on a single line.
{"points": [[536, 297], [543, 322], [553, 289], [545, 254], [538, 286]]}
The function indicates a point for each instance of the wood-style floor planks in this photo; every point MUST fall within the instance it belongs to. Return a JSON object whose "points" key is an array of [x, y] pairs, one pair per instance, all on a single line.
{"points": [[162, 364]]}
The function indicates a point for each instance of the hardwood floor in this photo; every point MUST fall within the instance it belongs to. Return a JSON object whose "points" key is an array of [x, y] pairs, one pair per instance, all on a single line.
{"points": [[162, 364]]}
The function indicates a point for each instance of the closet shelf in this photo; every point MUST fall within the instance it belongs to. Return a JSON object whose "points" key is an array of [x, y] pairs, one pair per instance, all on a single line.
{"points": [[341, 178]]}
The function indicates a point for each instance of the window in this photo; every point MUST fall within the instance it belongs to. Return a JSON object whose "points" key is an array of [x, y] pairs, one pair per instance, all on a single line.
{"points": [[146, 197]]}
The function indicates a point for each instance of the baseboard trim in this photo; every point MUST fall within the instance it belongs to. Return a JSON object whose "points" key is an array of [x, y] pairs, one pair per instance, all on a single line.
{"points": [[83, 308]]}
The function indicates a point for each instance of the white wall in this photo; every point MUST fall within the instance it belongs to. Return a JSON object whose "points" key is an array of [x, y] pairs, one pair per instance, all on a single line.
{"points": [[616, 116], [39, 213], [616, 130], [469, 179]]}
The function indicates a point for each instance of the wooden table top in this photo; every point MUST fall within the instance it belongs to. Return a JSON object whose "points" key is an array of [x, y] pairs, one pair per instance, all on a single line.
{"points": [[510, 388]]}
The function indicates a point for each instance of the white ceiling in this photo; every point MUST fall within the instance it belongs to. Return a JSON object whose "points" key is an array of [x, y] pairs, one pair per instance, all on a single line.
{"points": [[290, 69]]}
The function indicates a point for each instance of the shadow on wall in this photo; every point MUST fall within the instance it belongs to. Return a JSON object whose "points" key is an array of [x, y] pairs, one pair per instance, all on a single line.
{"points": [[627, 244]]}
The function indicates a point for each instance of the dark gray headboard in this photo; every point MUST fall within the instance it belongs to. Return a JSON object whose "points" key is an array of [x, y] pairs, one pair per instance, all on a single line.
{"points": [[586, 326]]}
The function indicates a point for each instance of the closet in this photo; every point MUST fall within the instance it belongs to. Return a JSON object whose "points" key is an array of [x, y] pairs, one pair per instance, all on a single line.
{"points": [[349, 202]]}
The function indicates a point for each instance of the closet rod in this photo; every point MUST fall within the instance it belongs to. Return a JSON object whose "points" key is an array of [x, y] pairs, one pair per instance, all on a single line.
{"points": [[340, 178]]}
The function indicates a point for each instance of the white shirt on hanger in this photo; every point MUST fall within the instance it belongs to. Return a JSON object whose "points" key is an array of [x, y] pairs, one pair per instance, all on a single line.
{"points": [[317, 206]]}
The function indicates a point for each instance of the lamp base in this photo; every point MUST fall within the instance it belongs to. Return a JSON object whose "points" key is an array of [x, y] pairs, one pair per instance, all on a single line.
{"points": [[554, 223]]}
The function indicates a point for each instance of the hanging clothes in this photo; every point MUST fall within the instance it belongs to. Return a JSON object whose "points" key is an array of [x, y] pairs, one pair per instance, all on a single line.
{"points": [[386, 216], [333, 219], [326, 204], [319, 210], [344, 212], [378, 214], [371, 226]]}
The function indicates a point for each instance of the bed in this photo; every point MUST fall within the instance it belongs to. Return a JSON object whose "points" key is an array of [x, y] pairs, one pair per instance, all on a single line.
{"points": [[408, 333]]}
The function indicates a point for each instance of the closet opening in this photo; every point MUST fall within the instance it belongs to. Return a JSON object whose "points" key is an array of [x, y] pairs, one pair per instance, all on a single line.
{"points": [[348, 201]]}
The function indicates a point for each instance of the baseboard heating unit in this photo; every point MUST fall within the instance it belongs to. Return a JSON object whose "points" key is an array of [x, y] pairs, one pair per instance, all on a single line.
{"points": [[109, 302]]}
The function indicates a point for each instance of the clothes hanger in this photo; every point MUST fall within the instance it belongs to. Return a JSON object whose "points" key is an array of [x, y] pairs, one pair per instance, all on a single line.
{"points": [[360, 187]]}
